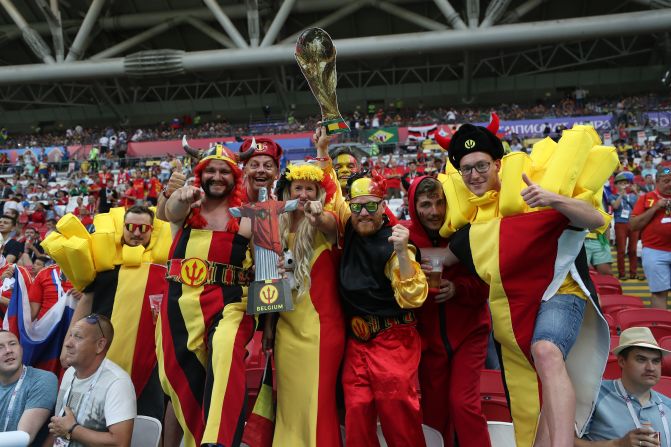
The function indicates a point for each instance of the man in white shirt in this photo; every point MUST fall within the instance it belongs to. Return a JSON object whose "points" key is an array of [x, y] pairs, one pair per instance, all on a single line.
{"points": [[96, 401]]}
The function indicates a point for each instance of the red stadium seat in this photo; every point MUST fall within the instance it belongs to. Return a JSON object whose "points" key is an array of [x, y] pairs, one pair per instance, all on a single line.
{"points": [[665, 342], [493, 396], [491, 383], [613, 370], [255, 358], [613, 304], [612, 325], [614, 341], [606, 284], [663, 386], [658, 320], [496, 409]]}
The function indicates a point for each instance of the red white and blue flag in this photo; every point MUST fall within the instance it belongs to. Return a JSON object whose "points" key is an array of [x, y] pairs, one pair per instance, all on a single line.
{"points": [[42, 339]]}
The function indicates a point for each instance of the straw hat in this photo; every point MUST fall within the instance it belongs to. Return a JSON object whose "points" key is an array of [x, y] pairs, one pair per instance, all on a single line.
{"points": [[640, 337]]}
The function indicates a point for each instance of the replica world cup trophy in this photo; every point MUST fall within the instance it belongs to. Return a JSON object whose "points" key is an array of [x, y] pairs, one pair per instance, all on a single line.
{"points": [[316, 56]]}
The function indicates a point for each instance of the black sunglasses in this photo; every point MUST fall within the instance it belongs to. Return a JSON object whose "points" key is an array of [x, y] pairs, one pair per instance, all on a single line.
{"points": [[95, 319]]}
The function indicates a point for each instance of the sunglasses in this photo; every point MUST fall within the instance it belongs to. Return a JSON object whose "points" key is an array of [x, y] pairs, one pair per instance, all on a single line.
{"points": [[142, 227], [95, 319], [371, 207], [665, 171]]}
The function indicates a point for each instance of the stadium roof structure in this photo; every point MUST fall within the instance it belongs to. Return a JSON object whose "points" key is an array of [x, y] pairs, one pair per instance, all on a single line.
{"points": [[74, 60]]}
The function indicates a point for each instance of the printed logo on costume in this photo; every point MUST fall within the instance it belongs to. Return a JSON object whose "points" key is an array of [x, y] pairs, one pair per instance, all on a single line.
{"points": [[469, 144], [360, 328], [193, 272]]}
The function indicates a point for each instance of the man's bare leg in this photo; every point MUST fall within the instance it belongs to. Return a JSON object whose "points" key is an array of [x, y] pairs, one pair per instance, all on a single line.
{"points": [[658, 299], [558, 393]]}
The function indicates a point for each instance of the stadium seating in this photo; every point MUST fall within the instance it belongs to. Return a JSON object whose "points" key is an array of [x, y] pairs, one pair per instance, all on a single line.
{"points": [[658, 320], [493, 396], [613, 304], [613, 370], [664, 386], [665, 342], [606, 284], [612, 325]]}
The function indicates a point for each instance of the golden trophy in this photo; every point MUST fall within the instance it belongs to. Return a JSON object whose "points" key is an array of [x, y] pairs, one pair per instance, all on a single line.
{"points": [[316, 55]]}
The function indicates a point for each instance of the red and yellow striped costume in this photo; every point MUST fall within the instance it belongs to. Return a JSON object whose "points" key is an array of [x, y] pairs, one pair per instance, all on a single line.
{"points": [[201, 344], [309, 345]]}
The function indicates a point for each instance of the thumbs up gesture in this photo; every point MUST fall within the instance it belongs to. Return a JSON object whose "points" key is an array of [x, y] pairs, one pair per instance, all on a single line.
{"points": [[177, 178], [535, 196]]}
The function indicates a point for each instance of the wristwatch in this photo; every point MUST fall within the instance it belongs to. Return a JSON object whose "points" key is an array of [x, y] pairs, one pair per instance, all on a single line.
{"points": [[68, 435], [165, 192]]}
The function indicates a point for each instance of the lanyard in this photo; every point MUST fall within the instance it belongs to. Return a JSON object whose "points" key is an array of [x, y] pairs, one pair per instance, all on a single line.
{"points": [[625, 396], [12, 400], [84, 400]]}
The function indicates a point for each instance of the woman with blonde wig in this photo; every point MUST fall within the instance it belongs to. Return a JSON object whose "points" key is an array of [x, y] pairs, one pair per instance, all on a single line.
{"points": [[309, 340]]}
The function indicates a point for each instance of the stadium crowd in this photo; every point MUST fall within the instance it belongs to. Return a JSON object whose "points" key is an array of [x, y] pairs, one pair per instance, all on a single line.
{"points": [[204, 376], [626, 110]]}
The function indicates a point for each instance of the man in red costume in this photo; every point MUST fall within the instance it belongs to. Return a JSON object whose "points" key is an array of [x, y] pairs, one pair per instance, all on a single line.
{"points": [[380, 283], [454, 324]]}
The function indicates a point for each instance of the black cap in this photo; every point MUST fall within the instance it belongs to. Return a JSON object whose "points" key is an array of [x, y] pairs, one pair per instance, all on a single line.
{"points": [[470, 138]]}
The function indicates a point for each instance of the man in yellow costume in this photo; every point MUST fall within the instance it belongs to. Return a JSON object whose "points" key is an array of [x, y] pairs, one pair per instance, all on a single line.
{"points": [[120, 268], [525, 220]]}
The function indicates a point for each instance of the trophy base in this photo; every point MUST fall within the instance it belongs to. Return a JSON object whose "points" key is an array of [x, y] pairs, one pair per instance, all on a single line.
{"points": [[335, 126], [271, 295]]}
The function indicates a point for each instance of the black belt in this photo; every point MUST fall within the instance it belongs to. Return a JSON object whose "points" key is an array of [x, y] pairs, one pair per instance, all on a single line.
{"points": [[196, 272], [366, 327]]}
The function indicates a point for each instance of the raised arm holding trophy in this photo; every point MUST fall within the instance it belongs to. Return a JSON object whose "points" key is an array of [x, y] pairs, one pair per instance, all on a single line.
{"points": [[316, 54]]}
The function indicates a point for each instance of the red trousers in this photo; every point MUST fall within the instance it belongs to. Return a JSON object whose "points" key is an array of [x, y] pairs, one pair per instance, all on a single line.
{"points": [[379, 380], [451, 389], [622, 234]]}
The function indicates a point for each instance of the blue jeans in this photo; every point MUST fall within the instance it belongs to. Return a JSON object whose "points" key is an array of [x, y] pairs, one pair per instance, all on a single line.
{"points": [[559, 320]]}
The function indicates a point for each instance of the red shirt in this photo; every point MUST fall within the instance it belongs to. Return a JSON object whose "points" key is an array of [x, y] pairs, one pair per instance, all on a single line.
{"points": [[393, 182], [155, 187], [44, 289], [657, 234], [138, 188], [104, 177], [8, 293]]}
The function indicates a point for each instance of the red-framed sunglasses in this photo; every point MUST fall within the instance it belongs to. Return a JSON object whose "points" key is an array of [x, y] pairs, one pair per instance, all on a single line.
{"points": [[142, 227]]}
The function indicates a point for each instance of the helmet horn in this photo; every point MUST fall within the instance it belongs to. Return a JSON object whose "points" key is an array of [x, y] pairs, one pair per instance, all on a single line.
{"points": [[443, 138], [194, 153], [493, 125]]}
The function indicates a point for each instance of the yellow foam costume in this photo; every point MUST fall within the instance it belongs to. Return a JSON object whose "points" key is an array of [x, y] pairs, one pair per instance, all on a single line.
{"points": [[577, 166]]}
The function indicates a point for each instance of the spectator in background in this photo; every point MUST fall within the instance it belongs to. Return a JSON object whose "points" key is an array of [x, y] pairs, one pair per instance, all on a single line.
{"points": [[393, 175], [96, 400], [649, 184], [625, 240], [39, 264], [27, 394], [49, 285], [624, 404], [11, 248], [652, 217], [31, 247]]}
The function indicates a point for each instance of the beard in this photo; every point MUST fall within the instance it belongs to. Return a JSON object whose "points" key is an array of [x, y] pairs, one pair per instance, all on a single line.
{"points": [[368, 225], [207, 188]]}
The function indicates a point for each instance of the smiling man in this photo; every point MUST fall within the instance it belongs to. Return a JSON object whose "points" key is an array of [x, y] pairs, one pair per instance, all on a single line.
{"points": [[624, 404], [261, 168], [27, 395], [380, 284]]}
